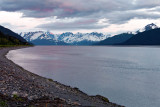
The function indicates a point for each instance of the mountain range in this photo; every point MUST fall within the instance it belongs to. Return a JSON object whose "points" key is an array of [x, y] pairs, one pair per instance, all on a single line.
{"points": [[149, 35], [68, 38], [94, 38]]}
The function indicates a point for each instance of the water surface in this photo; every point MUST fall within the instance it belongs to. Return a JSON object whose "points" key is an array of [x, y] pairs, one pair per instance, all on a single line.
{"points": [[128, 76]]}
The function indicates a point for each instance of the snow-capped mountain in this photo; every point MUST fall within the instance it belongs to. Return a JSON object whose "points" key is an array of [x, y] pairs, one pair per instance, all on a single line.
{"points": [[122, 38], [147, 28], [30, 36], [67, 38]]}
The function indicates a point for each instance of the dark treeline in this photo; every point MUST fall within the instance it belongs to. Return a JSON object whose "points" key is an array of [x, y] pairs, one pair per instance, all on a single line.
{"points": [[10, 40]]}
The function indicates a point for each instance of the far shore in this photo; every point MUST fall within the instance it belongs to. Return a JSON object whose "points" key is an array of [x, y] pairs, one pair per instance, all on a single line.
{"points": [[19, 87]]}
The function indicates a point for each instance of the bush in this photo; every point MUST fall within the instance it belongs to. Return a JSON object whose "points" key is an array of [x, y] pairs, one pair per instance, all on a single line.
{"points": [[3, 103], [17, 98], [51, 80], [103, 98]]}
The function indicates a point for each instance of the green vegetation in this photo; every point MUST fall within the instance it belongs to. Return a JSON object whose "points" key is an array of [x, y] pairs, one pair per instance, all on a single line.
{"points": [[103, 98], [3, 103], [50, 80], [15, 97], [7, 40]]}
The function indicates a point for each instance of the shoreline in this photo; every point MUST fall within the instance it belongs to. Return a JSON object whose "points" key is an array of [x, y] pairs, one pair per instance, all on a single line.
{"points": [[18, 85]]}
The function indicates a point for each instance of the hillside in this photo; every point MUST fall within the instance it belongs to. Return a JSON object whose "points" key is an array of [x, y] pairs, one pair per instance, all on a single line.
{"points": [[144, 36], [151, 37], [9, 40], [7, 31], [115, 39], [8, 37]]}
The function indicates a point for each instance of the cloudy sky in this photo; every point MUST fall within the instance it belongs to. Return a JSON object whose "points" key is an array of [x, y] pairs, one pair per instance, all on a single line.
{"points": [[108, 16]]}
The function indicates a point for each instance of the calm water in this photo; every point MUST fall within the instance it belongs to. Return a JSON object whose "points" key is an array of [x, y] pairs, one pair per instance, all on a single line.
{"points": [[126, 75]]}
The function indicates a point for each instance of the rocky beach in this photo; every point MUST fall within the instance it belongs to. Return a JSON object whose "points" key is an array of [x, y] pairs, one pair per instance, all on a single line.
{"points": [[21, 88]]}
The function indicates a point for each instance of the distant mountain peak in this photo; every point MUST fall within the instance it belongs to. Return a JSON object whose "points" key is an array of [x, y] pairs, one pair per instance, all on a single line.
{"points": [[146, 28], [151, 26]]}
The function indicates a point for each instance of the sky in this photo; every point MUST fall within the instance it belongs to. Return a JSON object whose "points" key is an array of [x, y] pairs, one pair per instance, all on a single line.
{"points": [[58, 16]]}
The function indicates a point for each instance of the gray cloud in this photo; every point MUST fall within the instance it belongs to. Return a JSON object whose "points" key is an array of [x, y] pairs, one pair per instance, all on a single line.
{"points": [[146, 4], [74, 25], [63, 8], [116, 11], [8, 25], [120, 17]]}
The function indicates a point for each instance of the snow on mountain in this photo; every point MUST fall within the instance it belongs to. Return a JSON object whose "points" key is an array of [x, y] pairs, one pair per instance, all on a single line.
{"points": [[35, 36], [78, 37], [67, 37], [73, 39], [30, 36], [146, 28]]}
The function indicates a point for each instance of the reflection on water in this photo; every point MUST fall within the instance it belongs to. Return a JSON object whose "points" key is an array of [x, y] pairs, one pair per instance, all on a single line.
{"points": [[126, 75]]}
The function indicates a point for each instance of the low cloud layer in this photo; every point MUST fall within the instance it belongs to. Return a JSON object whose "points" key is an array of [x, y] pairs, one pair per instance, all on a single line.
{"points": [[88, 13], [74, 25]]}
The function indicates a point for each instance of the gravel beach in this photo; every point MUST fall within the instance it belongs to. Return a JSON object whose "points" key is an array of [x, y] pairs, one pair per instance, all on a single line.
{"points": [[21, 88]]}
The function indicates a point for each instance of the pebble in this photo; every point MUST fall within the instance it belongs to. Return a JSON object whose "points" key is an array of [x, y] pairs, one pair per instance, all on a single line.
{"points": [[16, 81]]}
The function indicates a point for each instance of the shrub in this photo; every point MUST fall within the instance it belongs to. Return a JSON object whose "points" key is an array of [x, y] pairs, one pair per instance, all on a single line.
{"points": [[51, 80], [3, 103]]}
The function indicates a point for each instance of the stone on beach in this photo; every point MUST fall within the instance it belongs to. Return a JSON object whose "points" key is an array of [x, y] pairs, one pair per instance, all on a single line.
{"points": [[25, 88]]}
